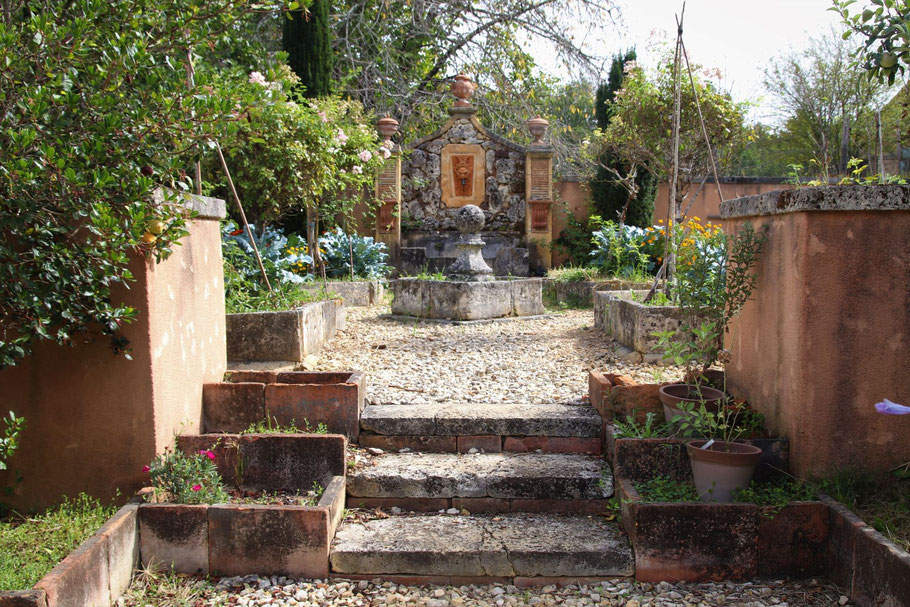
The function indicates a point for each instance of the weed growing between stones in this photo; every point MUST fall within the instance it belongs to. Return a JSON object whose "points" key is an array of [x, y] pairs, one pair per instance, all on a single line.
{"points": [[270, 425], [649, 429], [30, 546]]}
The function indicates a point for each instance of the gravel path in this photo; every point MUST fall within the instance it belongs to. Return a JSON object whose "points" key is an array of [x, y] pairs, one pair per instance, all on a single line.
{"points": [[252, 590], [517, 361]]}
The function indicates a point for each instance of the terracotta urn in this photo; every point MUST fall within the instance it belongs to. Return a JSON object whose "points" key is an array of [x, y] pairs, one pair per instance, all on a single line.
{"points": [[387, 127], [538, 128], [671, 395], [722, 468], [463, 88]]}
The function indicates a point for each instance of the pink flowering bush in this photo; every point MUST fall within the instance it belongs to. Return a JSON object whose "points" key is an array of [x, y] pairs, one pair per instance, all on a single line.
{"points": [[179, 478]]}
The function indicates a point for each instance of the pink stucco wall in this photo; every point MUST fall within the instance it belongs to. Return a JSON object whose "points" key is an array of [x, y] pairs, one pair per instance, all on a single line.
{"points": [[827, 332], [95, 418]]}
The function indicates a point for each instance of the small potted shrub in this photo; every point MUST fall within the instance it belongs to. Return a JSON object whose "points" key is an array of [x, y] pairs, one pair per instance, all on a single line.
{"points": [[710, 288], [720, 464]]}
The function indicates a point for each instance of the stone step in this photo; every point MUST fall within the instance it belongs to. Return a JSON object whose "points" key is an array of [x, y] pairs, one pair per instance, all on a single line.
{"points": [[444, 548], [473, 419], [483, 481]]}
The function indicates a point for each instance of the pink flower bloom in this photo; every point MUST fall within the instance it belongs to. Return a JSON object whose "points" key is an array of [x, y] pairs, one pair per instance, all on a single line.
{"points": [[341, 137], [323, 116], [208, 454], [145, 468], [386, 152], [357, 169], [365, 155], [196, 487], [258, 78]]}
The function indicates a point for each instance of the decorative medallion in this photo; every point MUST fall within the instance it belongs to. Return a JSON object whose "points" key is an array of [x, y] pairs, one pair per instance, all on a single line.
{"points": [[463, 174]]}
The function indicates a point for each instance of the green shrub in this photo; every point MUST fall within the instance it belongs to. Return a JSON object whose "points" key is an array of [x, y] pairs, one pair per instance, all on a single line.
{"points": [[338, 250], [187, 479]]}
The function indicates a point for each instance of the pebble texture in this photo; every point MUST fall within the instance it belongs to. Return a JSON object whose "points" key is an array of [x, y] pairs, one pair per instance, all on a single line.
{"points": [[506, 545], [543, 360], [497, 475]]}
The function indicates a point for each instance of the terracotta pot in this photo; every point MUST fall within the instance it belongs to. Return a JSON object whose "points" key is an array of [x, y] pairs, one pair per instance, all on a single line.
{"points": [[722, 468], [672, 395]]}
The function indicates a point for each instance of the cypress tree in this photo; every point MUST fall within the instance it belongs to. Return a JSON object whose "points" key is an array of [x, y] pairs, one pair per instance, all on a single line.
{"points": [[608, 196], [307, 39]]}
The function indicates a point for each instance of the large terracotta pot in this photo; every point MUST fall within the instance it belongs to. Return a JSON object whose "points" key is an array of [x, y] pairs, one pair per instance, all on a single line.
{"points": [[672, 395], [722, 468]]}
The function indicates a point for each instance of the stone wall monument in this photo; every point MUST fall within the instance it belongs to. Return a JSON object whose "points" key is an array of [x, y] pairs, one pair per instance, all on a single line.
{"points": [[460, 164]]}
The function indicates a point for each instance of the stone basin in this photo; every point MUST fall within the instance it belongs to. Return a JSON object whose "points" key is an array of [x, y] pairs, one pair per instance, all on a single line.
{"points": [[458, 300]]}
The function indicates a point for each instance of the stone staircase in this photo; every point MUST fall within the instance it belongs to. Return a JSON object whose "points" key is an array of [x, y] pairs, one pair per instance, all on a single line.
{"points": [[482, 492]]}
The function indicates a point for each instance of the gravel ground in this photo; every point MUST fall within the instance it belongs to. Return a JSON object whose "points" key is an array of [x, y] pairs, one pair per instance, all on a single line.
{"points": [[517, 361], [253, 590]]}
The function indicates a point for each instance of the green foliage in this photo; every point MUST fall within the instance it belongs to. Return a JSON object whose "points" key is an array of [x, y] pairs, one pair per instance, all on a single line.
{"points": [[885, 25], [608, 196], [573, 274], [640, 128], [720, 424], [270, 425], [339, 250], [307, 39], [714, 280], [289, 153], [95, 115], [857, 167], [649, 429], [187, 479], [621, 251], [776, 494], [31, 546], [576, 240], [882, 500], [425, 274], [13, 427], [662, 489]]}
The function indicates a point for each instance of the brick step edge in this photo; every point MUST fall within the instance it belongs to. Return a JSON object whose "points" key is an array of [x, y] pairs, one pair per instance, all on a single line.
{"points": [[476, 505], [454, 580], [485, 443]]}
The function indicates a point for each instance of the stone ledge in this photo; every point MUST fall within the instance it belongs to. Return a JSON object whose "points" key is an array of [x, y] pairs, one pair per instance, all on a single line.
{"points": [[824, 198], [205, 207]]}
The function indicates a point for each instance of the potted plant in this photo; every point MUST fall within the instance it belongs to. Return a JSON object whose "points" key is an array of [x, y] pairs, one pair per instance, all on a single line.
{"points": [[713, 282], [720, 464]]}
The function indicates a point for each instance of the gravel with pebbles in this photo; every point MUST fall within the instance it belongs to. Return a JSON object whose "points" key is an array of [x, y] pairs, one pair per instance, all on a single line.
{"points": [[279, 591], [542, 360]]}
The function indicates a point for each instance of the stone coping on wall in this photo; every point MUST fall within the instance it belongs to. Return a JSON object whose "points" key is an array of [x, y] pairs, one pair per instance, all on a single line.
{"points": [[825, 198]]}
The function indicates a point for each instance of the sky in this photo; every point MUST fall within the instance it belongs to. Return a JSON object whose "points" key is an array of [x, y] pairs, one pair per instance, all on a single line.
{"points": [[739, 37]]}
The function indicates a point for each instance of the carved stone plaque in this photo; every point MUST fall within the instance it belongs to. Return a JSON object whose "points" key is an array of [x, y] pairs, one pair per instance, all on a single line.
{"points": [[388, 188], [463, 175]]}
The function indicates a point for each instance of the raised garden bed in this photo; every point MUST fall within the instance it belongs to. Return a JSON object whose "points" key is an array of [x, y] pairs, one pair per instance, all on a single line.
{"points": [[302, 398], [632, 323], [357, 293], [289, 335], [237, 538], [580, 293]]}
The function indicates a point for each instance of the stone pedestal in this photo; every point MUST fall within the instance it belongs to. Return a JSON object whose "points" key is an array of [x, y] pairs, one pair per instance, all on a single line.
{"points": [[539, 193], [470, 265]]}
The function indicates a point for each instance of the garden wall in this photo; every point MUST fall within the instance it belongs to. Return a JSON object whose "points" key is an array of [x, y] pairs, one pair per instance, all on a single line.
{"points": [[826, 334], [95, 418]]}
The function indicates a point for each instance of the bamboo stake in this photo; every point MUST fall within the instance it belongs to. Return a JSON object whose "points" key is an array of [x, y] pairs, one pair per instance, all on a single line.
{"points": [[246, 225]]}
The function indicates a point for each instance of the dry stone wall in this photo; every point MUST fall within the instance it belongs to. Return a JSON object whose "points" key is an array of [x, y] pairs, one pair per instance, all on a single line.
{"points": [[503, 202]]}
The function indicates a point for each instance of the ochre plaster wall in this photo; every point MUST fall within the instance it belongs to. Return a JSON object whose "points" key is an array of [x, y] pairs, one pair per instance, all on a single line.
{"points": [[827, 335], [707, 204], [571, 197], [94, 419]]}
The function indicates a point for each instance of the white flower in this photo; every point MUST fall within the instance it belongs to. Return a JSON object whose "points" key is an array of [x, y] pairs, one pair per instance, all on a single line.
{"points": [[386, 152], [365, 155], [341, 137], [258, 78], [357, 169]]}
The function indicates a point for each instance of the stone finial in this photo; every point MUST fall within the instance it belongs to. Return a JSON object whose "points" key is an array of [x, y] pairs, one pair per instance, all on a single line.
{"points": [[469, 219], [538, 128], [387, 127], [463, 88]]}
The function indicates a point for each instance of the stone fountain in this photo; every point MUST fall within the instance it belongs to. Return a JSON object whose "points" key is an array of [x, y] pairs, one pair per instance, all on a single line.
{"points": [[470, 291]]}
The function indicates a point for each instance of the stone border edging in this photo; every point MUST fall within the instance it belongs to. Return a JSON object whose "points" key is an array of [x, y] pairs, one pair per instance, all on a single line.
{"points": [[97, 572], [824, 198], [237, 539], [284, 335]]}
